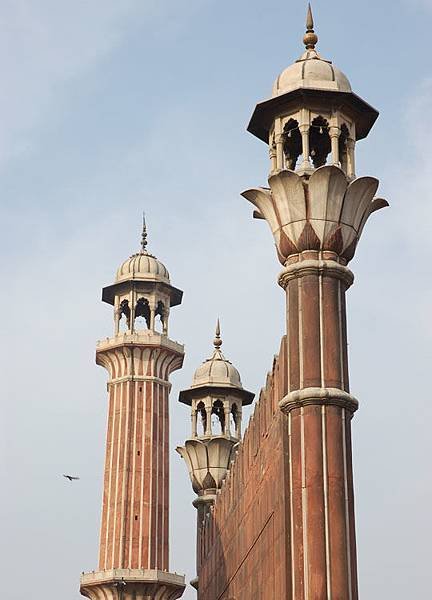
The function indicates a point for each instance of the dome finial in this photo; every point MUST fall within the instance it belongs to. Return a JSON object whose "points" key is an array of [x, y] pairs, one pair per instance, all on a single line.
{"points": [[310, 39], [144, 236], [217, 342]]}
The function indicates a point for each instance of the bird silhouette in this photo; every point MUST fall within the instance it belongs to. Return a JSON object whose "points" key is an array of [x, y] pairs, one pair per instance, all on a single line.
{"points": [[70, 477]]}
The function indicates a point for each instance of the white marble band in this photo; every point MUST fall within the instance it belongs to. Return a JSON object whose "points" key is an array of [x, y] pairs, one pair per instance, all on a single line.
{"points": [[318, 396]]}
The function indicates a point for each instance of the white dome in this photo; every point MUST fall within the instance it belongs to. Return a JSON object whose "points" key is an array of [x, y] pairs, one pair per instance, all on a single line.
{"points": [[311, 72], [144, 267], [217, 371]]}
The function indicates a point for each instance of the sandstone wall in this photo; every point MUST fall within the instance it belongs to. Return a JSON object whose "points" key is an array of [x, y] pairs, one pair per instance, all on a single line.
{"points": [[244, 543]]}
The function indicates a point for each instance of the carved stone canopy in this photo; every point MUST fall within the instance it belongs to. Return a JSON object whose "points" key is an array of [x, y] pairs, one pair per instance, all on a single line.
{"points": [[325, 212]]}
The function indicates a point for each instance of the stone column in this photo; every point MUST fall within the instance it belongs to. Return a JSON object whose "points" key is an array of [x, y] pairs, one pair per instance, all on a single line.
{"points": [[208, 408], [334, 137], [194, 418], [319, 409], [304, 130], [227, 412], [280, 162], [351, 158], [273, 155]]}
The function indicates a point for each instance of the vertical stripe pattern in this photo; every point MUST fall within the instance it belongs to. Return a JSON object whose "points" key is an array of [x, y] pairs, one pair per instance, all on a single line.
{"points": [[323, 559], [135, 510]]}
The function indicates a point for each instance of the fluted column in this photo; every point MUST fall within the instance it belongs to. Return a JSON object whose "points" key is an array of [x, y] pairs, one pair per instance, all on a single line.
{"points": [[134, 538]]}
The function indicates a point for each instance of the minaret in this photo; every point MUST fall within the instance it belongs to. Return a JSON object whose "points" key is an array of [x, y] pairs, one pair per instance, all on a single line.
{"points": [[216, 398], [133, 550], [316, 209]]}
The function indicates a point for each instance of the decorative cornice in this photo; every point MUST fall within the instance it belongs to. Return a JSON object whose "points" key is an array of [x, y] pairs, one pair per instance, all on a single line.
{"points": [[144, 339], [129, 584], [318, 396], [330, 268], [132, 361]]}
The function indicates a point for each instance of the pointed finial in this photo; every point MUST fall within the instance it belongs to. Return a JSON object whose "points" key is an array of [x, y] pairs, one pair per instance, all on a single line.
{"points": [[217, 341], [144, 236], [310, 39], [309, 19]]}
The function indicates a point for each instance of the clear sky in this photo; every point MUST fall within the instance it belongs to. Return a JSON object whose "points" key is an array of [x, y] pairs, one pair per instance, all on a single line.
{"points": [[110, 107]]}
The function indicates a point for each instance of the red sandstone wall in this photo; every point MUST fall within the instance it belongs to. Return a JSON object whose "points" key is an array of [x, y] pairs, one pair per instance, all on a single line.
{"points": [[243, 544]]}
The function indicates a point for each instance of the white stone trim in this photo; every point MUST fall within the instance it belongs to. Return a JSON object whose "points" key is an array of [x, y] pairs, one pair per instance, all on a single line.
{"points": [[316, 395], [304, 507], [293, 570], [326, 499], [347, 506], [330, 268]]}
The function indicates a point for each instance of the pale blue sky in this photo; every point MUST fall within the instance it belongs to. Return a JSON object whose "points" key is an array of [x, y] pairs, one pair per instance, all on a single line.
{"points": [[109, 108]]}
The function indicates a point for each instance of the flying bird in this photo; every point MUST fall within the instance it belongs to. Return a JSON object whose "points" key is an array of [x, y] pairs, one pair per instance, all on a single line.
{"points": [[70, 477]]}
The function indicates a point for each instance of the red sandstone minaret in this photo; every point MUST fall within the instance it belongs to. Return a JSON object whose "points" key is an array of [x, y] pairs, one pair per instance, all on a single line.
{"points": [[133, 554], [316, 209]]}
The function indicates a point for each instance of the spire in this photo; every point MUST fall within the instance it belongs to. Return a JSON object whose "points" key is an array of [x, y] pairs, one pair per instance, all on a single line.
{"points": [[310, 39], [217, 342], [144, 236]]}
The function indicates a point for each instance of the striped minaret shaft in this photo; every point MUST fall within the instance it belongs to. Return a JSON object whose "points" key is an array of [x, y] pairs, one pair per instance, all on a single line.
{"points": [[135, 511], [319, 409]]}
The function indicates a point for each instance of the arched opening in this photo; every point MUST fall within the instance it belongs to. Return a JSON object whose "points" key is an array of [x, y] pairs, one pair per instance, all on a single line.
{"points": [[319, 141], [201, 417], [142, 314], [123, 315], [343, 147], [218, 418], [292, 143], [160, 312], [234, 419]]}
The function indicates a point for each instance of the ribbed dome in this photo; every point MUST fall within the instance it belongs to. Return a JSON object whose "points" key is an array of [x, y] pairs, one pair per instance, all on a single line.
{"points": [[311, 72], [217, 371], [142, 266]]}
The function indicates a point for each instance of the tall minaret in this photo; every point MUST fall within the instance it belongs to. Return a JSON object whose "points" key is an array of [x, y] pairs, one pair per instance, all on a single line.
{"points": [[316, 209], [216, 398], [133, 550]]}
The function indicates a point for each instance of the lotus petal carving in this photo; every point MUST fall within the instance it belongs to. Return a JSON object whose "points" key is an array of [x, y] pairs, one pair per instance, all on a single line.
{"points": [[208, 461], [326, 212]]}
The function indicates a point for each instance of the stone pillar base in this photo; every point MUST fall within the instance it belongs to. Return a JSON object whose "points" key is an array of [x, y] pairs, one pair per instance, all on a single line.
{"points": [[131, 584]]}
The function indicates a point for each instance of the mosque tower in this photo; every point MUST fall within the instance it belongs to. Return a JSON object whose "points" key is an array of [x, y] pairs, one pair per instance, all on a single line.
{"points": [[139, 358], [216, 398], [316, 209]]}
